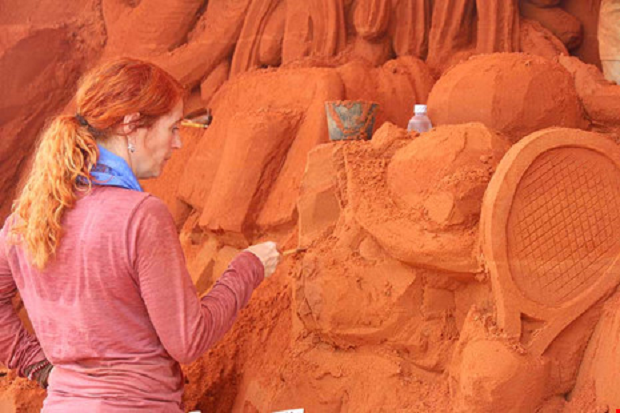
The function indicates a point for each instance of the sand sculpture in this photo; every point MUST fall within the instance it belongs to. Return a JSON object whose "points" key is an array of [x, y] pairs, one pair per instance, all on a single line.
{"points": [[600, 97], [452, 28], [402, 301], [549, 231], [204, 43], [505, 85]]}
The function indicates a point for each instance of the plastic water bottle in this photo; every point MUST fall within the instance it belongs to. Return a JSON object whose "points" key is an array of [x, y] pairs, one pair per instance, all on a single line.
{"points": [[419, 122]]}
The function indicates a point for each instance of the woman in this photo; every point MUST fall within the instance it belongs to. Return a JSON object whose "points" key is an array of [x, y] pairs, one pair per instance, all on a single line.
{"points": [[98, 263]]}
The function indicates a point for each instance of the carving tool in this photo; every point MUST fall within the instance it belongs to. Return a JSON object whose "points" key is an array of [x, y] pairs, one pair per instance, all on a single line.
{"points": [[293, 251], [200, 119]]}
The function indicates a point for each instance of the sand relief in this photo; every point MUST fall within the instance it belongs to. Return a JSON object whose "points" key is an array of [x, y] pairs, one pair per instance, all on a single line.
{"points": [[547, 232], [506, 85], [549, 244], [418, 275], [205, 43]]}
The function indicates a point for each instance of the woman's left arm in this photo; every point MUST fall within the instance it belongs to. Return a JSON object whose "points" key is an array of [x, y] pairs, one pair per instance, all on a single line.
{"points": [[18, 348]]}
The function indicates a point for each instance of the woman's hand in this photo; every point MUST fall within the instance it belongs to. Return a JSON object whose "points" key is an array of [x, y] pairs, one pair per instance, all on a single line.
{"points": [[268, 254]]}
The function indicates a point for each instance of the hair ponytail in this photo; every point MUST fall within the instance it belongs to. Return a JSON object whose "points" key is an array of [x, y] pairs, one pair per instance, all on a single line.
{"points": [[63, 162], [68, 149]]}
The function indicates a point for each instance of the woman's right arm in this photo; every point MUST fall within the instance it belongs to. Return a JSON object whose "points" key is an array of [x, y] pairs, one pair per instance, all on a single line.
{"points": [[186, 326]]}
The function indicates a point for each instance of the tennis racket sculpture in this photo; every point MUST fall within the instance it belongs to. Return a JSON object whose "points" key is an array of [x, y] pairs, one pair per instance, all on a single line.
{"points": [[550, 231]]}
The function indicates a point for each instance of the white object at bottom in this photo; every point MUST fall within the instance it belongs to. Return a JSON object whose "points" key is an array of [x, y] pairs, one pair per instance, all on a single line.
{"points": [[611, 70]]}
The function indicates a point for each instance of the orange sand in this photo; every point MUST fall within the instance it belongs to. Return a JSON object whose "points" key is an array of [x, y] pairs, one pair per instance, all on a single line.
{"points": [[392, 307]]}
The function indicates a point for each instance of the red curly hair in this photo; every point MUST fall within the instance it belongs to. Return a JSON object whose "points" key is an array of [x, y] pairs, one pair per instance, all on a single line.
{"points": [[68, 149]]}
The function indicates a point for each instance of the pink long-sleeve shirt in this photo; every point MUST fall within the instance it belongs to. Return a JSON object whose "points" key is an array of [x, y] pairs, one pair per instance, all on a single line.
{"points": [[116, 311]]}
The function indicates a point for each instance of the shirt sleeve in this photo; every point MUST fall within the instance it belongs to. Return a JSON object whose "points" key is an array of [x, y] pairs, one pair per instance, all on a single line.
{"points": [[186, 326], [18, 348]]}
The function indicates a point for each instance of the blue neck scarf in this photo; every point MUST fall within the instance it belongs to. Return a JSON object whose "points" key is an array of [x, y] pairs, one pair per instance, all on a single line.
{"points": [[112, 170]]}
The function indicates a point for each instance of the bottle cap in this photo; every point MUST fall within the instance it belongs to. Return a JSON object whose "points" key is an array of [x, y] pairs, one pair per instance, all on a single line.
{"points": [[419, 109]]}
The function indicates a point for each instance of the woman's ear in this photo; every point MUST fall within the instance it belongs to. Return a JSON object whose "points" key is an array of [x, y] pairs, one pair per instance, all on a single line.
{"points": [[130, 123]]}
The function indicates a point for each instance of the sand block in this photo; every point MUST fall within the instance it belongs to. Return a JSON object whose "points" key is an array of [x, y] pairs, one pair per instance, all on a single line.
{"points": [[211, 84], [601, 362], [318, 206], [149, 27], [450, 31], [318, 86], [250, 163], [246, 56], [412, 21], [318, 213], [588, 78], [498, 26], [385, 294], [600, 97], [437, 303], [565, 354], [313, 28], [389, 136], [270, 48], [212, 42], [370, 250], [422, 203], [201, 266], [222, 261], [514, 93], [561, 23], [450, 170], [239, 97], [374, 52], [603, 106], [489, 374], [371, 18], [537, 40]]}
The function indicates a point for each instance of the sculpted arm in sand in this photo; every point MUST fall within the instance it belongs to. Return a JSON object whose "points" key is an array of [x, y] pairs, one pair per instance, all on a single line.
{"points": [[98, 262]]}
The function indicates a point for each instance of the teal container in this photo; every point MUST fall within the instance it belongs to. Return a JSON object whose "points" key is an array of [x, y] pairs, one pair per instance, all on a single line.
{"points": [[349, 120]]}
